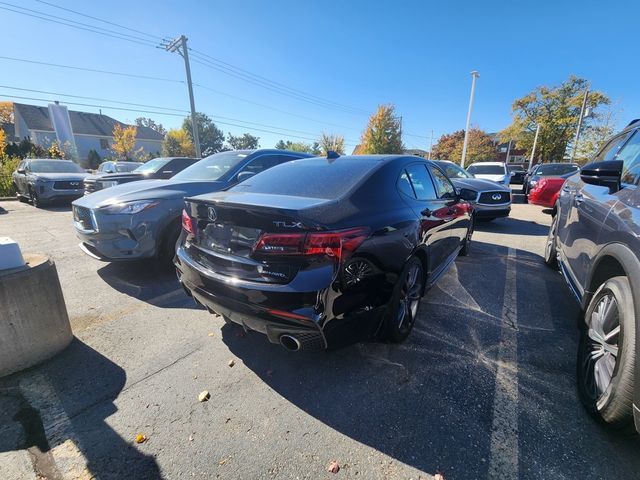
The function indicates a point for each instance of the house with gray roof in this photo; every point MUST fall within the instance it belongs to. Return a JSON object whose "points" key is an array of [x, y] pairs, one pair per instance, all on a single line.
{"points": [[81, 131]]}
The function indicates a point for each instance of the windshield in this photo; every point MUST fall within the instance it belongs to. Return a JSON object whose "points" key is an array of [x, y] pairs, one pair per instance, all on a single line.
{"points": [[212, 167], [453, 171], [478, 169], [555, 169], [54, 166], [152, 166], [312, 178]]}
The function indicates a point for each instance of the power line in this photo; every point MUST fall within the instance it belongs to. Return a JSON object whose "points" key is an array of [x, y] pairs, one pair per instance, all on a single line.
{"points": [[78, 25], [93, 70], [233, 124], [154, 37]]}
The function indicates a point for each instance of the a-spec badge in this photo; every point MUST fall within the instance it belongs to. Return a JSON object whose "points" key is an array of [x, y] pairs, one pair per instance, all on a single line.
{"points": [[212, 214]]}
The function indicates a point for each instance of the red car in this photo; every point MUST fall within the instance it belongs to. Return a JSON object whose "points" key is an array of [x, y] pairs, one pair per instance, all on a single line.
{"points": [[546, 191]]}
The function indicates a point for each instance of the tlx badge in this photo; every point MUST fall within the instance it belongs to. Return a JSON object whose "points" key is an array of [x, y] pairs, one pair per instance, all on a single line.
{"points": [[288, 224]]}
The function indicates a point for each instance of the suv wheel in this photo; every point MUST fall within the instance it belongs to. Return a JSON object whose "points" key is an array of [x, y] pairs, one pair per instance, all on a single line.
{"points": [[34, 198], [405, 302], [606, 354], [21, 198], [550, 247]]}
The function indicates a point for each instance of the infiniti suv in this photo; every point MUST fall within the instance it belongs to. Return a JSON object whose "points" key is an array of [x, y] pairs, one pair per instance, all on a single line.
{"points": [[595, 240]]}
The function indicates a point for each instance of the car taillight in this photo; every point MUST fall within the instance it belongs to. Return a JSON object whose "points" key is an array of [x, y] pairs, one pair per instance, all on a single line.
{"points": [[187, 223], [541, 184], [333, 244]]}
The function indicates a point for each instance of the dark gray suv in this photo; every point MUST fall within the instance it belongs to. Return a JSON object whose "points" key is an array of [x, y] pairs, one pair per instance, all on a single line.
{"points": [[595, 240]]}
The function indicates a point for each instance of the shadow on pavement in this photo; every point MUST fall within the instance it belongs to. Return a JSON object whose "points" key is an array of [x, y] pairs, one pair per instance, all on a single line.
{"points": [[429, 401], [512, 226], [64, 405], [149, 281]]}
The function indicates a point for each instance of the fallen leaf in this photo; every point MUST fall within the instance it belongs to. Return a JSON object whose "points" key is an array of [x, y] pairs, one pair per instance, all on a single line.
{"points": [[211, 334], [191, 438], [438, 476], [223, 461], [231, 363], [227, 420], [333, 467], [140, 438], [204, 396], [269, 372]]}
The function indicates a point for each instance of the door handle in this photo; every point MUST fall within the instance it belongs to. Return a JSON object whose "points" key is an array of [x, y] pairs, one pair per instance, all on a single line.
{"points": [[578, 199], [426, 212]]}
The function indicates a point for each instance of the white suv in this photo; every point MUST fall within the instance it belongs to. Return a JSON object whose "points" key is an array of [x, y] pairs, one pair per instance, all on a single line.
{"points": [[494, 171]]}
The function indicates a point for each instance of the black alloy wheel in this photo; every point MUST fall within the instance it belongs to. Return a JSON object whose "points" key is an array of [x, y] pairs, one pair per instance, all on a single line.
{"points": [[403, 308]]}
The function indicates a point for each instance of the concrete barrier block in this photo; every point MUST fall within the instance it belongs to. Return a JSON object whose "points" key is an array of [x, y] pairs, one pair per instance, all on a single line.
{"points": [[34, 324]]}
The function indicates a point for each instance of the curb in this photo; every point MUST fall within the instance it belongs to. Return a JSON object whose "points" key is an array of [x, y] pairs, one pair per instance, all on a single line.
{"points": [[8, 199]]}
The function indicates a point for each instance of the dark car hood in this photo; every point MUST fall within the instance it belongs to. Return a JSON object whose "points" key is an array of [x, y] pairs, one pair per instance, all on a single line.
{"points": [[148, 190], [59, 176], [479, 184]]}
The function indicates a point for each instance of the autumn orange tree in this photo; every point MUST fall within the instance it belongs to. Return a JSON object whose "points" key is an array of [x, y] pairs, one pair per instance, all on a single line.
{"points": [[124, 142], [6, 112], [480, 148], [177, 143], [383, 133]]}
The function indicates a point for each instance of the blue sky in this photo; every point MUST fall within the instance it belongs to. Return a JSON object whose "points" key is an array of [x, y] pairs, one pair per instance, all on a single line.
{"points": [[414, 54]]}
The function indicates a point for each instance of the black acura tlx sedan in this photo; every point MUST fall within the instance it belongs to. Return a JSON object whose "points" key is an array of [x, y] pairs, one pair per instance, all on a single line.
{"points": [[321, 252]]}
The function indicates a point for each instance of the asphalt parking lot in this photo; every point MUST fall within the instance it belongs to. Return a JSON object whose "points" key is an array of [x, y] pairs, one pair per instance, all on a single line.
{"points": [[483, 388]]}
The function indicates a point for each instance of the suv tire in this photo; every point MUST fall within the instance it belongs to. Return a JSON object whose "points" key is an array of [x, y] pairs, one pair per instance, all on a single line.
{"points": [[606, 354]]}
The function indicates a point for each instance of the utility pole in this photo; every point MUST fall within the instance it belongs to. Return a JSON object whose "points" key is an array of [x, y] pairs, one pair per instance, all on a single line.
{"points": [[180, 45], [575, 141], [430, 145], [533, 150], [474, 75], [506, 159]]}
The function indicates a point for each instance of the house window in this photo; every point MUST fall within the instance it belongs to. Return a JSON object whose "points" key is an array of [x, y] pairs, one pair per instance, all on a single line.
{"points": [[104, 143]]}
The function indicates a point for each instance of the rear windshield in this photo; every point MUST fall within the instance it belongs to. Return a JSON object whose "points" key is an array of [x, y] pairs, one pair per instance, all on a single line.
{"points": [[313, 178], [486, 169], [556, 169], [212, 167], [54, 166]]}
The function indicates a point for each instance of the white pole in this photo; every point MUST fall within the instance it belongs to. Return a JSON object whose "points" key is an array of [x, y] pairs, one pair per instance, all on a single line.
{"points": [[575, 142], [533, 150], [474, 75], [430, 145], [506, 159]]}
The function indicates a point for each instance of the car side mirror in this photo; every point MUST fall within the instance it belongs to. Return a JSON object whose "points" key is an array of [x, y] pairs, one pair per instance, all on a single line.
{"points": [[605, 174], [242, 176], [21, 171], [466, 194]]}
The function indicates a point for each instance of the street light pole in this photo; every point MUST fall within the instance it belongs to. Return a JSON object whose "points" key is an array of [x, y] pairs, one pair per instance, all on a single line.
{"points": [[430, 145], [533, 150], [474, 75], [180, 45], [575, 141]]}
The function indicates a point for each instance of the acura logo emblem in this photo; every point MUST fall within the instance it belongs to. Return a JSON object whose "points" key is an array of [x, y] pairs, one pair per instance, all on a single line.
{"points": [[213, 216], [496, 196]]}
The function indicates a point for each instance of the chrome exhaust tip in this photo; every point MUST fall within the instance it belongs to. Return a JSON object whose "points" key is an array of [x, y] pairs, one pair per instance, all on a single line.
{"points": [[290, 342]]}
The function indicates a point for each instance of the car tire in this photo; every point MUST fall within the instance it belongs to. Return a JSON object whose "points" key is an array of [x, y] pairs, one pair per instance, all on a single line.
{"points": [[551, 248], [605, 379], [21, 198], [35, 201], [466, 243], [168, 248], [405, 301]]}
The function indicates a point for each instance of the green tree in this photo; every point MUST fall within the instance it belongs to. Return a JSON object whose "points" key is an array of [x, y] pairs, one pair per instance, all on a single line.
{"points": [[556, 110], [148, 122], [312, 148], [177, 143], [329, 141], [211, 137], [383, 133], [480, 147], [242, 142]]}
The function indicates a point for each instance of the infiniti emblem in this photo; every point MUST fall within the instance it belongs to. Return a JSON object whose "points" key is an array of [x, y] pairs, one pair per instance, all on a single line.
{"points": [[213, 216], [496, 196]]}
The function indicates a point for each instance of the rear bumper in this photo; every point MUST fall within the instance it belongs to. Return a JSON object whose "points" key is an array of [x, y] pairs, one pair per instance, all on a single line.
{"points": [[538, 200], [274, 310]]}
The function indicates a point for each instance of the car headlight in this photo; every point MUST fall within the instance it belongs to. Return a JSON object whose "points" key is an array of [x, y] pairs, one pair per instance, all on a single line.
{"points": [[109, 183], [129, 208]]}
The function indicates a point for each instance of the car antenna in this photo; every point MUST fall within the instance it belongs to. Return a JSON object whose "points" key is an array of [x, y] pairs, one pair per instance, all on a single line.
{"points": [[332, 154]]}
